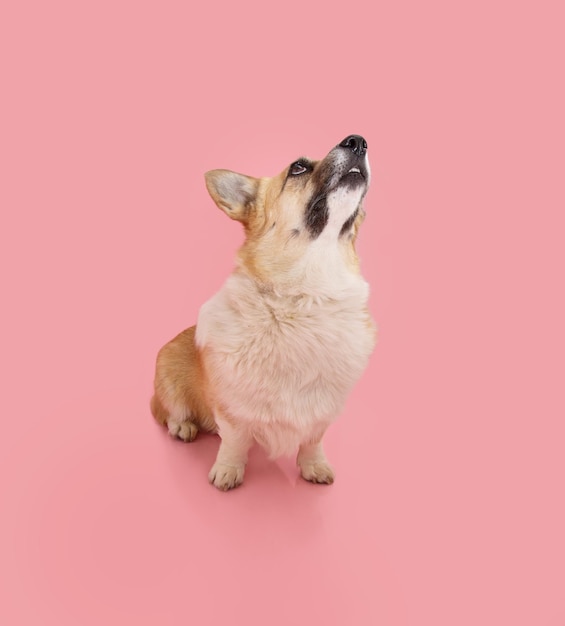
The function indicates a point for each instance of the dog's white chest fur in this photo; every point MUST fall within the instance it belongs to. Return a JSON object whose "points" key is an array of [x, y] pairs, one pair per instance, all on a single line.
{"points": [[286, 363]]}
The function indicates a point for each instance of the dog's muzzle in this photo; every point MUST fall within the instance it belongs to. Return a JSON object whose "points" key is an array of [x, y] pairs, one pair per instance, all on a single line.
{"points": [[350, 162]]}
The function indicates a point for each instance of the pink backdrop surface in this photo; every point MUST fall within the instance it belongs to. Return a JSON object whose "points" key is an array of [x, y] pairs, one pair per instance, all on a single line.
{"points": [[448, 508]]}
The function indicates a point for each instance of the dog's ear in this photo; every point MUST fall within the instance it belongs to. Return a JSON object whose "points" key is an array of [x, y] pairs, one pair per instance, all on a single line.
{"points": [[233, 193]]}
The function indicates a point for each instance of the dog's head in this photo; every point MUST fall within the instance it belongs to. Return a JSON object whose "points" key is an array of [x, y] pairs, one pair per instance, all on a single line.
{"points": [[314, 205]]}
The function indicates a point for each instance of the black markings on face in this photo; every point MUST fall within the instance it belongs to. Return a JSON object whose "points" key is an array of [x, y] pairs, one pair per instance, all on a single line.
{"points": [[316, 216], [349, 223]]}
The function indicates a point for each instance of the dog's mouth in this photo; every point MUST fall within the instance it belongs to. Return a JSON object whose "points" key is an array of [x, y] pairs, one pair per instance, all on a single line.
{"points": [[356, 171], [356, 174]]}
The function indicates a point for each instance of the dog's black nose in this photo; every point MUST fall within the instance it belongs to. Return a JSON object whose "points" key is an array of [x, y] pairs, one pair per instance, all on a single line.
{"points": [[356, 144]]}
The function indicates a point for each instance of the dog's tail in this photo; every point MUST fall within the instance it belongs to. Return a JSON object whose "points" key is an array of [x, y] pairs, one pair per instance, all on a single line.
{"points": [[160, 413]]}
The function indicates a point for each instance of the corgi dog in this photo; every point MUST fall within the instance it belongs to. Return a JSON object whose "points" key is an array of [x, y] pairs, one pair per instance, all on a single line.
{"points": [[275, 353]]}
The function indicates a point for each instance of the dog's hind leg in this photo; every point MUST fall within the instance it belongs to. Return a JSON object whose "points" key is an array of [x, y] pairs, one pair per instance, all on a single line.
{"points": [[179, 402], [177, 420], [180, 426]]}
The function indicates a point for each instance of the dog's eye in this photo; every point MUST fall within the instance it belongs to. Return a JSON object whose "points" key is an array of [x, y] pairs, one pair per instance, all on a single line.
{"points": [[297, 168]]}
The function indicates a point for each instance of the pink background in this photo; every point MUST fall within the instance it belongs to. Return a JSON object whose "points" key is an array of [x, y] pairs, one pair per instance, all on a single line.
{"points": [[448, 508]]}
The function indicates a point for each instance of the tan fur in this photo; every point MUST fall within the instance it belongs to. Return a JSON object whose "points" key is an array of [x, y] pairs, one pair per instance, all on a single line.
{"points": [[180, 382]]}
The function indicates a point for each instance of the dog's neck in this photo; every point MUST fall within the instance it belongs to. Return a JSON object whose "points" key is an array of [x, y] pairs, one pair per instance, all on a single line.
{"points": [[324, 271]]}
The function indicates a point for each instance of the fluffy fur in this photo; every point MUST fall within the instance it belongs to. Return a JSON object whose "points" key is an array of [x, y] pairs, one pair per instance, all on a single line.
{"points": [[276, 351]]}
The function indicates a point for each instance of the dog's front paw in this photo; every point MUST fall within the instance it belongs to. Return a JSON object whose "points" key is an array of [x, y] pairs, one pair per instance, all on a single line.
{"points": [[226, 477], [317, 472]]}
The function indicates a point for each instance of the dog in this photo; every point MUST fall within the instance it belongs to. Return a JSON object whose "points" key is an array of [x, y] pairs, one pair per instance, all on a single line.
{"points": [[275, 353]]}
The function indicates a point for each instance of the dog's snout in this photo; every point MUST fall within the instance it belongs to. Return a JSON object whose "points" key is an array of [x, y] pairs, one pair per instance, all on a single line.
{"points": [[356, 144]]}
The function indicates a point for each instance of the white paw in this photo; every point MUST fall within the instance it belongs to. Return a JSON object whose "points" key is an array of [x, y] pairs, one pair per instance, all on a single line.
{"points": [[226, 477], [186, 431], [317, 472]]}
